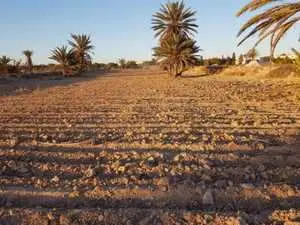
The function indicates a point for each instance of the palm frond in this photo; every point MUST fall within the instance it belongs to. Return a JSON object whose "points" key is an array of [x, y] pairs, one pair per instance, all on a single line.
{"points": [[274, 22]]}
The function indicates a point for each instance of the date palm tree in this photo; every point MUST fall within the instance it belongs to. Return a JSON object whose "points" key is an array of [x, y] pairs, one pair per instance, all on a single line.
{"points": [[174, 25], [28, 54], [274, 22], [174, 18], [176, 54], [4, 60], [63, 56], [82, 48]]}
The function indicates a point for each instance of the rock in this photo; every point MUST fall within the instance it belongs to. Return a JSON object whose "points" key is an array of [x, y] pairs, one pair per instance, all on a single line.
{"points": [[90, 173], [163, 188], [44, 137], [121, 169], [208, 198], [152, 162], [93, 140], [100, 218], [74, 194], [236, 221], [163, 184], [247, 186], [177, 158], [50, 216], [14, 142], [63, 220], [221, 183], [22, 169], [205, 177], [259, 146], [55, 179]]}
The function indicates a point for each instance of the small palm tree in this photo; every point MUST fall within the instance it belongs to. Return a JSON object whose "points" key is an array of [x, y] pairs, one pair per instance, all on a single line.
{"points": [[82, 47], [252, 54], [273, 22], [63, 56], [176, 54], [28, 54], [4, 60], [174, 18]]}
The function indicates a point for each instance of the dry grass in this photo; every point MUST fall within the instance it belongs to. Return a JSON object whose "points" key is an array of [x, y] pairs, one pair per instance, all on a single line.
{"points": [[262, 72]]}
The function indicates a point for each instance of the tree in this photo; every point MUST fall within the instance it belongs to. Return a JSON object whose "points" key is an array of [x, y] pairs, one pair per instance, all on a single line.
{"points": [[131, 64], [252, 54], [28, 54], [174, 24], [63, 56], [122, 63], [233, 59], [174, 18], [176, 54], [4, 60], [297, 60], [241, 60], [82, 48], [274, 22]]}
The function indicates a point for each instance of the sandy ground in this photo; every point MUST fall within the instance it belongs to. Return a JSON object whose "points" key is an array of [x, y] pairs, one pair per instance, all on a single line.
{"points": [[137, 147]]}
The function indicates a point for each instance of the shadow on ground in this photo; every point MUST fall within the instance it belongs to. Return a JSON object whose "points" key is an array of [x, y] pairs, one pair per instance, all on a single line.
{"points": [[13, 85]]}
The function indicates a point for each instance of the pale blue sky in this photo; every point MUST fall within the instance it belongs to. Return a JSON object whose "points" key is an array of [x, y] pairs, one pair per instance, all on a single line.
{"points": [[119, 28]]}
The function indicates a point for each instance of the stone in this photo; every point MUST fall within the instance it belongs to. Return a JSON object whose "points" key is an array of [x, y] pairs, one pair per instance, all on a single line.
{"points": [[208, 198], [100, 218], [63, 220], [247, 186], [90, 172], [55, 179], [236, 221], [205, 177], [151, 161], [177, 158]]}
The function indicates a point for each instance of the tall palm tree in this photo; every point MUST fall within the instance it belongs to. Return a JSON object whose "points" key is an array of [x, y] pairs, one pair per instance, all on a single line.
{"points": [[177, 53], [174, 18], [274, 22], [63, 56], [82, 47], [28, 54]]}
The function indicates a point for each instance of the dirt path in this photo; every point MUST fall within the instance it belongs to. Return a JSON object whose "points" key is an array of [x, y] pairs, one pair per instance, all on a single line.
{"points": [[139, 148]]}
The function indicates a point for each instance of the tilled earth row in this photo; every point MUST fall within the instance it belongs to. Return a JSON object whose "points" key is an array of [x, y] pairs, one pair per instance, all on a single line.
{"points": [[141, 148]]}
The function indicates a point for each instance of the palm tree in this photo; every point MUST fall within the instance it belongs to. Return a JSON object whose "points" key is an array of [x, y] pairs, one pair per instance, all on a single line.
{"points": [[4, 60], [297, 59], [252, 54], [28, 54], [174, 18], [82, 47], [274, 22], [63, 56], [122, 63], [176, 54]]}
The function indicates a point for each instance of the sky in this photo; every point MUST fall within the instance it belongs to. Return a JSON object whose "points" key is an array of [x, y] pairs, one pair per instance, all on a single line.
{"points": [[118, 28]]}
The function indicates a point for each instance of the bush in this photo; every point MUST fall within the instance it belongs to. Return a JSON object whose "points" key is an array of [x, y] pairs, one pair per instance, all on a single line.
{"points": [[284, 71]]}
